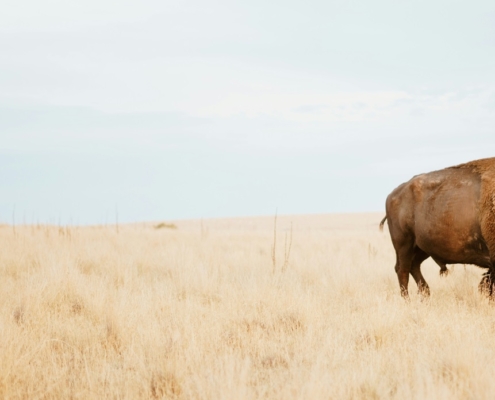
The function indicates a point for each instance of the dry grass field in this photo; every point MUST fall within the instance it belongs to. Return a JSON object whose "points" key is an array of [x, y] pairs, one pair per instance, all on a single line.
{"points": [[203, 312]]}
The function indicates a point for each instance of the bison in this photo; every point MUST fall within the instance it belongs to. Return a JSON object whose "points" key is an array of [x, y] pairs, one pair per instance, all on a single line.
{"points": [[448, 215]]}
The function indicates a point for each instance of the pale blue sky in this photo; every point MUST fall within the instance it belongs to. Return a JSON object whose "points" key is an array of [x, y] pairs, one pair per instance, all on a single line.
{"points": [[190, 109]]}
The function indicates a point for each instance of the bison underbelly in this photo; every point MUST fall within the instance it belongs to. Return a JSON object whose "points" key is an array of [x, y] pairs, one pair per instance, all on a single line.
{"points": [[455, 249]]}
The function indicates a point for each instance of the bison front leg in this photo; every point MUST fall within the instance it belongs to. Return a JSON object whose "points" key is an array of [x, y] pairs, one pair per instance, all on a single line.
{"points": [[487, 283]]}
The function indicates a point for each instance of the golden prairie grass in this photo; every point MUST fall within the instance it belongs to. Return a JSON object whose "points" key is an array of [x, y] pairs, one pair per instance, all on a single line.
{"points": [[199, 312]]}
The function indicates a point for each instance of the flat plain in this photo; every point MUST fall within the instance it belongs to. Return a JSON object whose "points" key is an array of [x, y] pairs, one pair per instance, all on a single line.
{"points": [[235, 309]]}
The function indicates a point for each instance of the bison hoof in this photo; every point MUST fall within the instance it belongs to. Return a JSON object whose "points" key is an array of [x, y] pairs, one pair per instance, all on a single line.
{"points": [[444, 272]]}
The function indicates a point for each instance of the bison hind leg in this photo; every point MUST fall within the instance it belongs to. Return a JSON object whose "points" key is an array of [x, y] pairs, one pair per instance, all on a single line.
{"points": [[418, 258]]}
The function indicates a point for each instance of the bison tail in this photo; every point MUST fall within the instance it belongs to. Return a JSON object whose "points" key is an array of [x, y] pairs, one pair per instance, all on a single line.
{"points": [[383, 222]]}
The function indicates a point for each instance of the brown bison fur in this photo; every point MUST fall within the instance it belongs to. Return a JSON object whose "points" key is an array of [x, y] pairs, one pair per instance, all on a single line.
{"points": [[448, 215]]}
